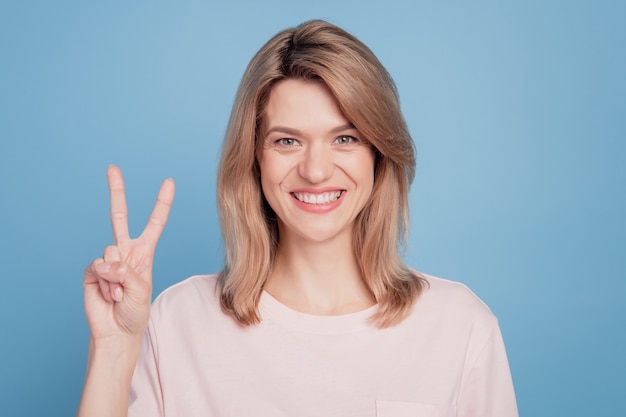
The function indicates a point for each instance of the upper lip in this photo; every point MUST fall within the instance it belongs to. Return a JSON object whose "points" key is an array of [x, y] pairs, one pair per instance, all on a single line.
{"points": [[318, 196], [317, 190]]}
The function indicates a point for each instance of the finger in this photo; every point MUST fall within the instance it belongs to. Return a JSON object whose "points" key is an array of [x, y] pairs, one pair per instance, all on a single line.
{"points": [[93, 275], [119, 210], [121, 278], [112, 291], [105, 289], [160, 213], [115, 291], [124, 281], [111, 254]]}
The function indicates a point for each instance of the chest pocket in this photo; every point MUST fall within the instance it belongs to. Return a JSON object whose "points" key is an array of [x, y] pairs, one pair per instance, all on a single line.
{"points": [[407, 409]]}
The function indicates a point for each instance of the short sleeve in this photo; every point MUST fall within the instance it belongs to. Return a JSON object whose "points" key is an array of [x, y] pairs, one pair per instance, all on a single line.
{"points": [[146, 398], [487, 387]]}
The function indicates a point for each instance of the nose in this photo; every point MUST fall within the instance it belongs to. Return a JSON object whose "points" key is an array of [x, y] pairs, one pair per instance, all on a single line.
{"points": [[316, 165]]}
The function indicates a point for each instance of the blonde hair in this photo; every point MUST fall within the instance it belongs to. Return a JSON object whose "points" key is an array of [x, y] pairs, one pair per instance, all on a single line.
{"points": [[368, 98]]}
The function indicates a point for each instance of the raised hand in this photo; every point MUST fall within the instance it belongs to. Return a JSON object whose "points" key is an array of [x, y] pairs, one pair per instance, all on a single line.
{"points": [[118, 286]]}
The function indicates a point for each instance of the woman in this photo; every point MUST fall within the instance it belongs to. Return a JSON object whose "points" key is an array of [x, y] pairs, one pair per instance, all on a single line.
{"points": [[314, 312]]}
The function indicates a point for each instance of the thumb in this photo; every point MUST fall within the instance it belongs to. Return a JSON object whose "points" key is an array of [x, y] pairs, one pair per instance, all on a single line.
{"points": [[126, 284], [112, 255]]}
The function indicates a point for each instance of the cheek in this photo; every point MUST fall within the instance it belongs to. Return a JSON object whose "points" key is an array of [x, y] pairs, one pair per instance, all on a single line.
{"points": [[266, 181], [276, 168], [363, 166], [271, 176]]}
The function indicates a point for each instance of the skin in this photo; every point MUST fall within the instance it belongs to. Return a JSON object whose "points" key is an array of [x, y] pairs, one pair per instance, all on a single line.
{"points": [[118, 290], [310, 149]]}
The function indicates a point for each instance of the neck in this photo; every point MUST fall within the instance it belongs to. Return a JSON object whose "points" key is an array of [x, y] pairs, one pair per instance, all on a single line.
{"points": [[318, 278]]}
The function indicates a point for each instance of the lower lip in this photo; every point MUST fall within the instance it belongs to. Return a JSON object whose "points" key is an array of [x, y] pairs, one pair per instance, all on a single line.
{"points": [[319, 208]]}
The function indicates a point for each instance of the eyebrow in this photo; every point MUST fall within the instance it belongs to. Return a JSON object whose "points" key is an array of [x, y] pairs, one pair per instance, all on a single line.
{"points": [[296, 132]]}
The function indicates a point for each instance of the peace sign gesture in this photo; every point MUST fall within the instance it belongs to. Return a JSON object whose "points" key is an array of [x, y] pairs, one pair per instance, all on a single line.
{"points": [[118, 286]]}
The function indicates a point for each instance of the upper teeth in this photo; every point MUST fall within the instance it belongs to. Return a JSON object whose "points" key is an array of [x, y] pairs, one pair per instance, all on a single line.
{"points": [[323, 198]]}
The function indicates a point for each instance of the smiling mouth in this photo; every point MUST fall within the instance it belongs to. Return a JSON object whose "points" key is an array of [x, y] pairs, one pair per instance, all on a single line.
{"points": [[323, 198]]}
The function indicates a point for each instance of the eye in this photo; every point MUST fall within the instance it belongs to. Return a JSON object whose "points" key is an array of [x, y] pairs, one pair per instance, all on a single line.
{"points": [[286, 142], [346, 139]]}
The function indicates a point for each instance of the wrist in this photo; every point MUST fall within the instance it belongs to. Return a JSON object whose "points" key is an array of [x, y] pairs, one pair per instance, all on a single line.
{"points": [[119, 351], [110, 368]]}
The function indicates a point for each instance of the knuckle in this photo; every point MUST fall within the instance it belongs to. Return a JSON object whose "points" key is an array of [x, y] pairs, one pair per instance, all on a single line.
{"points": [[122, 269], [90, 269], [119, 215], [111, 253], [108, 251], [157, 222], [167, 202]]}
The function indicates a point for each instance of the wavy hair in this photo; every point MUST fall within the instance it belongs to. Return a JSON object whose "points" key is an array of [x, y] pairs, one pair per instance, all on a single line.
{"points": [[367, 96]]}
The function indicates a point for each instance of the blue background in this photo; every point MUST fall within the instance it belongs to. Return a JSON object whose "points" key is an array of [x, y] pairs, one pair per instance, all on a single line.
{"points": [[517, 108]]}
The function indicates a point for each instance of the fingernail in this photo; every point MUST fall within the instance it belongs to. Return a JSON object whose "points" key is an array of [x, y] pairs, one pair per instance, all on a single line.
{"points": [[118, 294]]}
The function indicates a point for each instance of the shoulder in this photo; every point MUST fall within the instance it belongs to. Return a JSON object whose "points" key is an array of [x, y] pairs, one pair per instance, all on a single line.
{"points": [[444, 292], [196, 295], [192, 284], [453, 305]]}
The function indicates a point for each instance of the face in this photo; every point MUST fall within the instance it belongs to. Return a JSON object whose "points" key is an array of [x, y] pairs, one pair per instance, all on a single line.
{"points": [[317, 171]]}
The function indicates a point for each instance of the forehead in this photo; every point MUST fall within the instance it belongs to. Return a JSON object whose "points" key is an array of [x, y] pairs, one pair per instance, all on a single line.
{"points": [[303, 105]]}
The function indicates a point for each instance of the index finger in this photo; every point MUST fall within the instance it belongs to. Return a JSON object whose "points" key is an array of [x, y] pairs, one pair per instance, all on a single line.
{"points": [[119, 210]]}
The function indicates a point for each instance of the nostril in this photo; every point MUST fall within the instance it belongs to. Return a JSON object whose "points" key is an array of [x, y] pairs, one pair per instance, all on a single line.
{"points": [[316, 168]]}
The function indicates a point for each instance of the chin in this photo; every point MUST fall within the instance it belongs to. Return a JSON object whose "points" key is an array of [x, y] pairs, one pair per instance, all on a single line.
{"points": [[320, 235]]}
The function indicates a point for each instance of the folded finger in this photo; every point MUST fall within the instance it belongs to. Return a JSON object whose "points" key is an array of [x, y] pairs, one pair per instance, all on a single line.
{"points": [[111, 254], [105, 289], [91, 276], [111, 257], [121, 279]]}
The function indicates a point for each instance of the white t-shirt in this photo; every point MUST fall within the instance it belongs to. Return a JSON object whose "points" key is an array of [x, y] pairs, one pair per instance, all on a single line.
{"points": [[446, 358]]}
